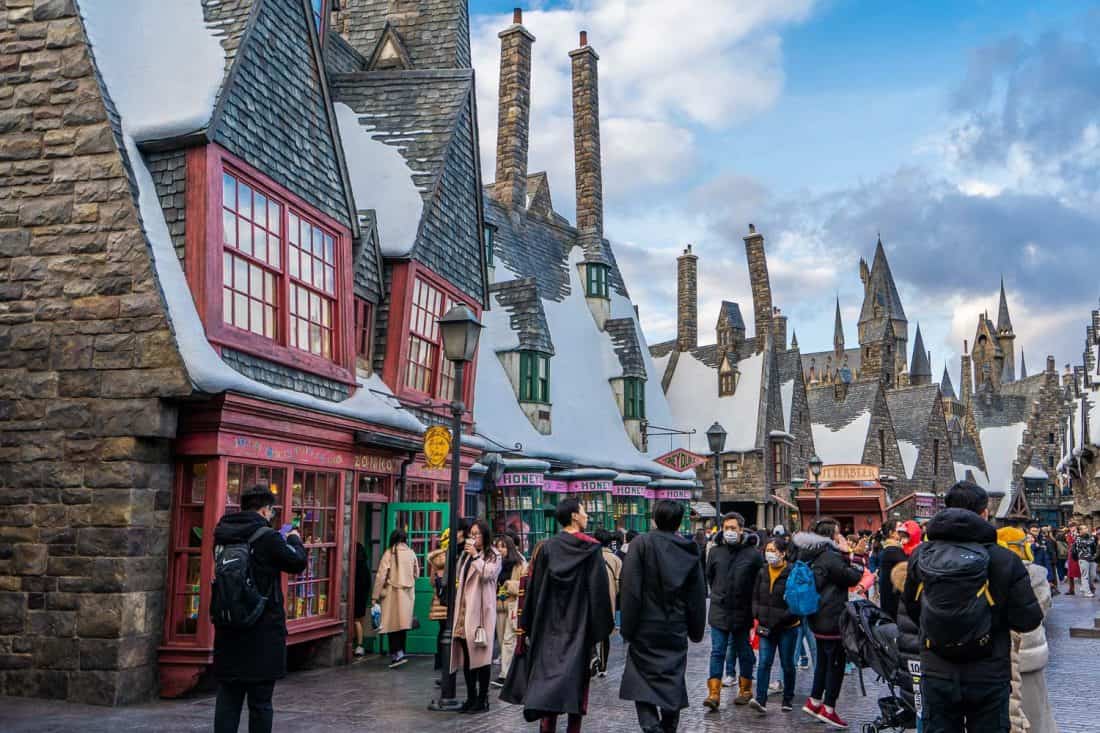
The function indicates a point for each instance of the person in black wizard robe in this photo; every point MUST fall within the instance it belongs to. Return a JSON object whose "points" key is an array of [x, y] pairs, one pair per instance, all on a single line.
{"points": [[664, 605], [566, 611]]}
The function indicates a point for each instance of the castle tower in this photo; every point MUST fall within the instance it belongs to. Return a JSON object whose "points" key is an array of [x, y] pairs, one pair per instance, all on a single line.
{"points": [[687, 301], [882, 303], [1006, 339], [513, 114], [920, 373], [761, 286], [987, 355]]}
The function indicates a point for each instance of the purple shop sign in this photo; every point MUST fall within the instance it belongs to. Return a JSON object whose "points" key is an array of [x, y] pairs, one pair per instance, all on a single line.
{"points": [[590, 487], [675, 494], [521, 479], [629, 490], [555, 486]]}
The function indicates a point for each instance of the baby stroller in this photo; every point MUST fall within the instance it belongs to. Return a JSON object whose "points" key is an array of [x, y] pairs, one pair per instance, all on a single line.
{"points": [[870, 640]]}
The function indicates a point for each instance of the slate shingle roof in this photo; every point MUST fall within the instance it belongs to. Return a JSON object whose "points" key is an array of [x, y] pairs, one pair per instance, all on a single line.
{"points": [[367, 258], [835, 414], [881, 289], [732, 311], [789, 363], [921, 367], [946, 386], [526, 315], [228, 20], [664, 348], [911, 410], [1000, 410], [624, 337]]}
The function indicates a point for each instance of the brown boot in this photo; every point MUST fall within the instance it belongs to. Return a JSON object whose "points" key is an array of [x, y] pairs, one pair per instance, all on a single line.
{"points": [[745, 693], [714, 693]]}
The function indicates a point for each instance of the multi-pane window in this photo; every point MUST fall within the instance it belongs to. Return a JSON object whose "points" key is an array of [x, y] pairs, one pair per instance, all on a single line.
{"points": [[264, 266], [251, 261], [780, 467], [427, 370], [362, 328], [731, 470], [727, 383], [534, 377], [597, 286], [315, 502], [311, 262], [634, 398]]}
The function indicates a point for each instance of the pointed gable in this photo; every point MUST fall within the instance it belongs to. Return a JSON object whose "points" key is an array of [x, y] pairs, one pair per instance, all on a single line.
{"points": [[274, 111], [390, 51], [538, 195]]}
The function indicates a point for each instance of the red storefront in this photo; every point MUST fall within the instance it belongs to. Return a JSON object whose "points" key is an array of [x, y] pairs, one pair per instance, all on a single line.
{"points": [[333, 474], [850, 494]]}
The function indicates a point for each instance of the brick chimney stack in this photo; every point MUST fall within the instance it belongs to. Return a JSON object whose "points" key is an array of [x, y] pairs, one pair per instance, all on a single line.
{"points": [[687, 301], [586, 143], [761, 286], [514, 113], [967, 386], [779, 329]]}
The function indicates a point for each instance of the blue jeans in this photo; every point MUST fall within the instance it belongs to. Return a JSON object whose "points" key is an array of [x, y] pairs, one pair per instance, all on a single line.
{"points": [[806, 636], [784, 642], [720, 643]]}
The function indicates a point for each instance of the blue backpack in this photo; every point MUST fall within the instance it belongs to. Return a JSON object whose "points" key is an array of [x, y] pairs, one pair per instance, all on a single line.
{"points": [[801, 595]]}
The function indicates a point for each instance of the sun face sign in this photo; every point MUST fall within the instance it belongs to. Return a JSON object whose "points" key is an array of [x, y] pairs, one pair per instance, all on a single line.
{"points": [[437, 444]]}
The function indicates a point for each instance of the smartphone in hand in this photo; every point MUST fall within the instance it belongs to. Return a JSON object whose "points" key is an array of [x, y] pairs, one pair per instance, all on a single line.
{"points": [[285, 530]]}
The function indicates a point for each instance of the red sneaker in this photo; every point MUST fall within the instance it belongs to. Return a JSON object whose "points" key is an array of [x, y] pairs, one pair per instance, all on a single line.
{"points": [[830, 718], [814, 711]]}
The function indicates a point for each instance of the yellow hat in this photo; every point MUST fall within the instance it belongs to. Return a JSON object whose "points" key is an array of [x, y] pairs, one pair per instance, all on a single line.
{"points": [[1016, 540]]}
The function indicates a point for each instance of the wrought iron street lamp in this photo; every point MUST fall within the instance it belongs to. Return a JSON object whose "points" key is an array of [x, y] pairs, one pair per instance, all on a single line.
{"points": [[815, 469], [716, 441], [461, 330]]}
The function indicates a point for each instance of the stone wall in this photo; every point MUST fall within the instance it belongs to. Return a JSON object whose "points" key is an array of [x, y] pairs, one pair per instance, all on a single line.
{"points": [[86, 355], [928, 476], [747, 486]]}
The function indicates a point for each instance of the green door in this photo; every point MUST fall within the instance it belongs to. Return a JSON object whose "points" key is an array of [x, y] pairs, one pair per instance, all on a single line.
{"points": [[423, 522]]}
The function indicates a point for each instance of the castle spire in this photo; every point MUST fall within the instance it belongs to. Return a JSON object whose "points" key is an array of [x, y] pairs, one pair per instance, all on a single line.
{"points": [[794, 340], [1004, 323], [920, 372], [838, 329], [1023, 365], [946, 387]]}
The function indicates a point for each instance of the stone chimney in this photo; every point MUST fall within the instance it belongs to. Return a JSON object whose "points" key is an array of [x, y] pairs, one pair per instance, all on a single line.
{"points": [[779, 329], [687, 301], [514, 114], [761, 286], [967, 386], [586, 144]]}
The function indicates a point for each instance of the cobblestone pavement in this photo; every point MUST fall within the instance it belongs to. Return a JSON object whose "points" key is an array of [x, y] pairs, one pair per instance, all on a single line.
{"points": [[368, 697]]}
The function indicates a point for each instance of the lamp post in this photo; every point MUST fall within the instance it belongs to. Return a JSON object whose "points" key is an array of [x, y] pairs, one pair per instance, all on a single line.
{"points": [[716, 441], [461, 330], [815, 469]]}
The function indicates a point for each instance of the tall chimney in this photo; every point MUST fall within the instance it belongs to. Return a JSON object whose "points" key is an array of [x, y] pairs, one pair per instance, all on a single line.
{"points": [[514, 113], [779, 329], [761, 286], [687, 301], [967, 386], [586, 144]]}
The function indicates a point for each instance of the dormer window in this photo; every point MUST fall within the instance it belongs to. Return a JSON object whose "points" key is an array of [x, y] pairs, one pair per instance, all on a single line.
{"points": [[534, 377], [597, 285], [634, 398], [727, 383]]}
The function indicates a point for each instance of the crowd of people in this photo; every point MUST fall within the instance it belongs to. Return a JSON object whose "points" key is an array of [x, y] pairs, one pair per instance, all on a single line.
{"points": [[968, 602]]}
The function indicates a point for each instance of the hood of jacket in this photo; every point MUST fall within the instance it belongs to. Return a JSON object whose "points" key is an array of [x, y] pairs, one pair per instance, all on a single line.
{"points": [[566, 555], [811, 544], [913, 530], [674, 556], [961, 525], [237, 527]]}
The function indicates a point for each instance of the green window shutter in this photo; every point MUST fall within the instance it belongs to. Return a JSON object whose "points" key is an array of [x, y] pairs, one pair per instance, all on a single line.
{"points": [[544, 379], [525, 370], [641, 400]]}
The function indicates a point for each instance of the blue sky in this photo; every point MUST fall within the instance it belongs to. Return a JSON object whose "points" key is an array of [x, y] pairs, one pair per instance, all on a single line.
{"points": [[964, 132]]}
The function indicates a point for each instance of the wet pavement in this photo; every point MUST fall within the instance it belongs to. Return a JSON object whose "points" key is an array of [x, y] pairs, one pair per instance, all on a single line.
{"points": [[366, 696]]}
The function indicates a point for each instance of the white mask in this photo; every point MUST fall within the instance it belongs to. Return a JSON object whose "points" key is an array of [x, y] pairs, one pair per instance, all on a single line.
{"points": [[773, 558], [731, 536]]}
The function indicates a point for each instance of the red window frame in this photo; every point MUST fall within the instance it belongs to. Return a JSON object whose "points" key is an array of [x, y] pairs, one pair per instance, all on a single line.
{"points": [[205, 263], [363, 329], [425, 369]]}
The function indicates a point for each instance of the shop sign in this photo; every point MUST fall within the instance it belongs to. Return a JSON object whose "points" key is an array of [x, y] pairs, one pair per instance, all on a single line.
{"points": [[682, 460], [475, 483], [849, 472], [521, 479], [675, 494], [437, 446], [591, 486], [629, 490], [555, 486], [373, 464], [242, 446]]}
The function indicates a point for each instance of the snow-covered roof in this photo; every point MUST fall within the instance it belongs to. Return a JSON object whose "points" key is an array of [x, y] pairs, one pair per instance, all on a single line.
{"points": [[171, 91], [695, 404], [979, 475], [999, 445], [381, 180], [1034, 472], [843, 445], [786, 394], [909, 452], [587, 426]]}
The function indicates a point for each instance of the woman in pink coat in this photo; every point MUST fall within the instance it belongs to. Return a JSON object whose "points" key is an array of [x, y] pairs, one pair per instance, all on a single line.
{"points": [[475, 615]]}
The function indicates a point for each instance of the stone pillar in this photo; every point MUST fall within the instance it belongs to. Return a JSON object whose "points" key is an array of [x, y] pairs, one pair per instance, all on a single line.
{"points": [[687, 301], [779, 329], [967, 386], [586, 142], [761, 286], [514, 114]]}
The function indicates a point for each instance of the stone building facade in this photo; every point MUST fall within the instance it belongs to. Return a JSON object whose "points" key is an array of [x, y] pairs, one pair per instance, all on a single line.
{"points": [[89, 374]]}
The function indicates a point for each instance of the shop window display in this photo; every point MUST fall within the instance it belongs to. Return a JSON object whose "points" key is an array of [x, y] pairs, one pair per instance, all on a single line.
{"points": [[521, 509], [314, 509]]}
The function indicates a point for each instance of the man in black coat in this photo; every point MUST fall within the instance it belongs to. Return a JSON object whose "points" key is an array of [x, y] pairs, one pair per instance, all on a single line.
{"points": [[664, 605], [249, 661], [892, 555], [732, 566], [972, 695], [566, 613]]}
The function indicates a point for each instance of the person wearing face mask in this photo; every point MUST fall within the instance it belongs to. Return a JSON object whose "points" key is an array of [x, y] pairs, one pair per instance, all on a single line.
{"points": [[777, 627], [732, 566]]}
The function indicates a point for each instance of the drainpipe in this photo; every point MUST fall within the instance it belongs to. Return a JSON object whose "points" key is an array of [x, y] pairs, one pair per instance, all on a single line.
{"points": [[404, 476]]}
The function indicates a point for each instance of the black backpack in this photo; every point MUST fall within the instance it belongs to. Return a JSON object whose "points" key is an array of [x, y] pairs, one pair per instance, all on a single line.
{"points": [[956, 606], [236, 602]]}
